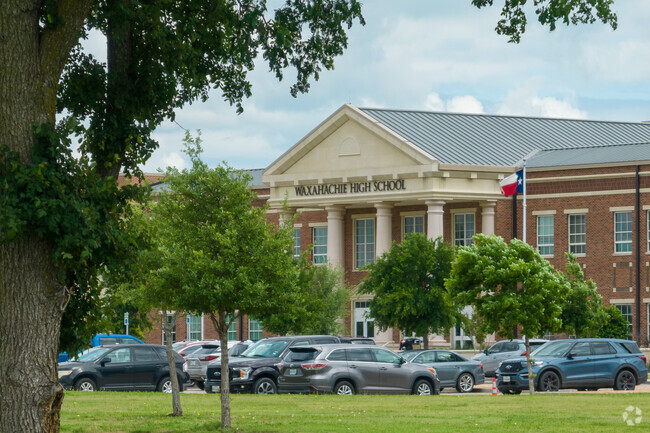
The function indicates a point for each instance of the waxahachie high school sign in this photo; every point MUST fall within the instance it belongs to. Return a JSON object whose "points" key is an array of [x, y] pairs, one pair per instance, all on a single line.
{"points": [[350, 188]]}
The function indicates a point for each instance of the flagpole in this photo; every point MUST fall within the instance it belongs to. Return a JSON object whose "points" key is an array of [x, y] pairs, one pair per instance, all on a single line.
{"points": [[524, 218]]}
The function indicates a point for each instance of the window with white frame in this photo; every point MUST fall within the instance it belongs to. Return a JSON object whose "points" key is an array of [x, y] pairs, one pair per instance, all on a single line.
{"points": [[463, 228], [545, 234], [254, 329], [623, 232], [296, 242], [578, 233], [320, 245], [232, 329], [413, 224], [194, 327], [648, 227], [626, 311], [364, 241]]}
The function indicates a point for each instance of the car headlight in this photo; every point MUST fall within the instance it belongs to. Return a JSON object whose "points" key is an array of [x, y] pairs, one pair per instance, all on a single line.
{"points": [[244, 373], [64, 373]]}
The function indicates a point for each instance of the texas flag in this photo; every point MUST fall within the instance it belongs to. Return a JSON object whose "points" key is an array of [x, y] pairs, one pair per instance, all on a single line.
{"points": [[513, 184]]}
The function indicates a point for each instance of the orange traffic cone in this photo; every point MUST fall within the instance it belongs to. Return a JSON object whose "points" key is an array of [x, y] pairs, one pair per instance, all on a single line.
{"points": [[494, 386]]}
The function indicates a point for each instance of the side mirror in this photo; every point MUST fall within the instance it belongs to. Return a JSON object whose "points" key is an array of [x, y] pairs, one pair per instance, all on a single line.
{"points": [[571, 355], [104, 361], [485, 352]]}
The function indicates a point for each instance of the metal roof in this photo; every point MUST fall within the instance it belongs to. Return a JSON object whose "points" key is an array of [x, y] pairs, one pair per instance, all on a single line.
{"points": [[593, 155], [477, 139]]}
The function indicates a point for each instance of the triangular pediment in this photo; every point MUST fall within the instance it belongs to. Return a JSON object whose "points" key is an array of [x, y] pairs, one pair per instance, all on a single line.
{"points": [[347, 144]]}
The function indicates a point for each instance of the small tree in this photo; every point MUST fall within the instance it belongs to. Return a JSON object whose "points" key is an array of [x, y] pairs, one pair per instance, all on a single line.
{"points": [[582, 312], [408, 287], [320, 300], [509, 286], [222, 258], [615, 325]]}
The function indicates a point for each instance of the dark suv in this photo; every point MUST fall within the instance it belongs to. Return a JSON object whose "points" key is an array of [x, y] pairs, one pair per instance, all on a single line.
{"points": [[588, 363], [256, 369]]}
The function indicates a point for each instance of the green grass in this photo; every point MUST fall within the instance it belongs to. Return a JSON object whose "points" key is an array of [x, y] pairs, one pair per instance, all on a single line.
{"points": [[146, 412]]}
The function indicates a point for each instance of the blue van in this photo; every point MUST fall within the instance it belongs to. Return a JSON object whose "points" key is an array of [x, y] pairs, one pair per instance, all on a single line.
{"points": [[106, 340]]}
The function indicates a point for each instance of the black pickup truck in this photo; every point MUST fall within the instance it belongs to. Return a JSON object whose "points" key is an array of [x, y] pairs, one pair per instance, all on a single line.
{"points": [[256, 369]]}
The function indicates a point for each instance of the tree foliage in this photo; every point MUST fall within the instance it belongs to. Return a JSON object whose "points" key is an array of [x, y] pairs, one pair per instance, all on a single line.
{"points": [[615, 325], [510, 286], [582, 312], [319, 304], [407, 284], [549, 12], [216, 254]]}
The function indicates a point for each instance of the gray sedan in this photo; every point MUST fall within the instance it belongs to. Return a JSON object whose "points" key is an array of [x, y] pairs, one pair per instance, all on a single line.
{"points": [[453, 370]]}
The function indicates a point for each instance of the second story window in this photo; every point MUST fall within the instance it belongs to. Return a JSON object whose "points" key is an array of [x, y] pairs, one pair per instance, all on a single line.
{"points": [[578, 233], [296, 242], [413, 224], [320, 245], [364, 242], [545, 235], [463, 228], [622, 232]]}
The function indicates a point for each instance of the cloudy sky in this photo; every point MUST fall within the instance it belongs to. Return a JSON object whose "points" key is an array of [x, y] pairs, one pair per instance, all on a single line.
{"points": [[441, 55]]}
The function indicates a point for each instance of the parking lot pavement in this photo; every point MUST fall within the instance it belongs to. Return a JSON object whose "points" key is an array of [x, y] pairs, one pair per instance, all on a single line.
{"points": [[486, 389]]}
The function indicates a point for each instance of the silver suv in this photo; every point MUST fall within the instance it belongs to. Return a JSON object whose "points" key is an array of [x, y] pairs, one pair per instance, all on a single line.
{"points": [[343, 369], [502, 350]]}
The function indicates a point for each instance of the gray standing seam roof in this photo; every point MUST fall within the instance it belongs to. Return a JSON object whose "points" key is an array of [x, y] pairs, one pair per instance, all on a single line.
{"points": [[626, 153], [490, 140]]}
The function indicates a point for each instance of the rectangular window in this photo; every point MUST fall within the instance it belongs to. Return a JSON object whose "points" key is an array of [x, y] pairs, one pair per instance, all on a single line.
{"points": [[545, 235], [320, 245], [232, 329], [626, 311], [578, 233], [623, 232], [364, 242], [463, 228], [413, 224], [254, 329], [296, 242], [194, 327]]}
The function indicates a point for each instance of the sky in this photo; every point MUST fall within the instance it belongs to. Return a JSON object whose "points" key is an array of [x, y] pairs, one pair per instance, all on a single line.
{"points": [[437, 55]]}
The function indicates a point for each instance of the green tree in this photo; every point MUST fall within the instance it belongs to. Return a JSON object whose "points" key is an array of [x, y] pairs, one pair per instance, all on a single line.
{"points": [[220, 256], [320, 301], [514, 19], [509, 287], [582, 312], [407, 284], [61, 216], [615, 325]]}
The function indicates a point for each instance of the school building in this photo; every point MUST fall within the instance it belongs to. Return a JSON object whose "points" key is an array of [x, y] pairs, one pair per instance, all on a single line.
{"points": [[364, 178]]}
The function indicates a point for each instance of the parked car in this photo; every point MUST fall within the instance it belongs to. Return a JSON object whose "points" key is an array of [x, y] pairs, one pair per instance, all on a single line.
{"points": [[256, 369], [236, 348], [357, 340], [502, 350], [124, 367], [197, 362], [106, 340], [453, 369], [345, 370], [188, 349], [589, 363]]}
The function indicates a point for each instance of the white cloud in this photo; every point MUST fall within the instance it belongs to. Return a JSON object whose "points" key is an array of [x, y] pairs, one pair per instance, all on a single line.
{"points": [[434, 103], [465, 104], [525, 101]]}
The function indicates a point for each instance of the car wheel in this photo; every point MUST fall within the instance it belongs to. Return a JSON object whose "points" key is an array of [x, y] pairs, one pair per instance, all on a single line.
{"points": [[165, 385], [85, 384], [465, 383], [344, 388], [422, 387], [625, 380], [265, 385], [549, 382]]}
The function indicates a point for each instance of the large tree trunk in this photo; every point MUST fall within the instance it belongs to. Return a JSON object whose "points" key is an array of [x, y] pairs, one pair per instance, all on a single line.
{"points": [[221, 326], [32, 298], [168, 326]]}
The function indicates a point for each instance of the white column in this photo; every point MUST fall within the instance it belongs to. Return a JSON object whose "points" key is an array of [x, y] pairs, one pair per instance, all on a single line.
{"points": [[435, 213], [335, 235], [384, 228], [487, 217]]}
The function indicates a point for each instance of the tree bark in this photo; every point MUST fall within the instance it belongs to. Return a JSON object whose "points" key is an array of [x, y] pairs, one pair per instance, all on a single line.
{"points": [[168, 326], [221, 327], [32, 296], [531, 379]]}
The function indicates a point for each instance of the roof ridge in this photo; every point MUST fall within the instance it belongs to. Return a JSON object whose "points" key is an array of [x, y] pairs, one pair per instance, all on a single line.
{"points": [[503, 116], [554, 149]]}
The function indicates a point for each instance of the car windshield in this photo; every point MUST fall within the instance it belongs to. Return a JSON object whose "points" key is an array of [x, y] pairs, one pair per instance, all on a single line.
{"points": [[93, 354], [409, 355], [265, 349], [237, 349], [553, 349], [207, 349]]}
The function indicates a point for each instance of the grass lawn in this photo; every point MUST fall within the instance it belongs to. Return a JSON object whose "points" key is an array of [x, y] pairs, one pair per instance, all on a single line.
{"points": [[146, 412]]}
